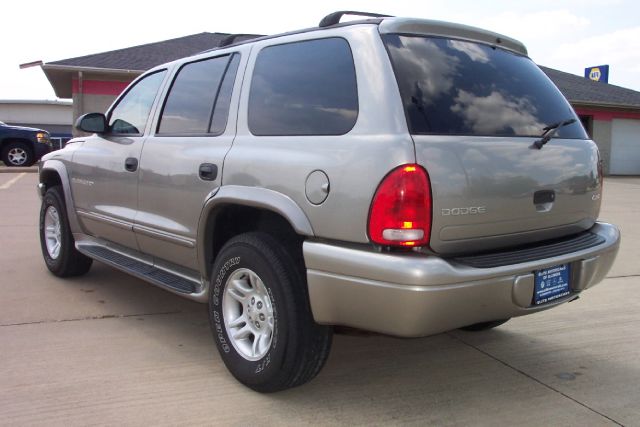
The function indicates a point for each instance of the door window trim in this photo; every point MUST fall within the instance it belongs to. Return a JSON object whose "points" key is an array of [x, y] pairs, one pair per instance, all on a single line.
{"points": [[230, 55], [125, 93]]}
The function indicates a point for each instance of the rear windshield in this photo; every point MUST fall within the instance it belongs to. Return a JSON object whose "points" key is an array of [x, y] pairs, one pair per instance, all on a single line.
{"points": [[454, 87]]}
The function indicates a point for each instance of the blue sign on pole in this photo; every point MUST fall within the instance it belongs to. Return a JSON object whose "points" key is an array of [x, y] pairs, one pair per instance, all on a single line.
{"points": [[599, 73]]}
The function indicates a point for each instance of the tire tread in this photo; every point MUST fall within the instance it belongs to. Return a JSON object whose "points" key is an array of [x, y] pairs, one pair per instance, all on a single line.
{"points": [[309, 346], [72, 263]]}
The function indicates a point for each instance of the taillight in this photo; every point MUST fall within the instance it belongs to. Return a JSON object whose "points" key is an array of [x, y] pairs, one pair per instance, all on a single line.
{"points": [[400, 213]]}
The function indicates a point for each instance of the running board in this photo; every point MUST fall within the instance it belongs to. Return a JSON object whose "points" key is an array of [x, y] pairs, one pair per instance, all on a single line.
{"points": [[139, 269]]}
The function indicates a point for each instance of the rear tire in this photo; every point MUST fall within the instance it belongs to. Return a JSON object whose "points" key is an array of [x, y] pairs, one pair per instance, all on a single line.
{"points": [[483, 326], [17, 154], [260, 315], [56, 240]]}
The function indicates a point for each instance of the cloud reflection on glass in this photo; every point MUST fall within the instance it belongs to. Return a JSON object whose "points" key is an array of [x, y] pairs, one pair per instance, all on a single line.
{"points": [[456, 87]]}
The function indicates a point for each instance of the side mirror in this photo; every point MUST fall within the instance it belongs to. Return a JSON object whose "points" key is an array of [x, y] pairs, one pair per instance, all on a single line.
{"points": [[92, 123]]}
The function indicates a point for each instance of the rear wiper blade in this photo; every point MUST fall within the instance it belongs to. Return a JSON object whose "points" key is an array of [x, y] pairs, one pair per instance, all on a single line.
{"points": [[550, 131]]}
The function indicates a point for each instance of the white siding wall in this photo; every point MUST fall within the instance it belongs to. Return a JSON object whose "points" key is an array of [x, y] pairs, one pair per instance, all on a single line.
{"points": [[36, 113], [625, 147]]}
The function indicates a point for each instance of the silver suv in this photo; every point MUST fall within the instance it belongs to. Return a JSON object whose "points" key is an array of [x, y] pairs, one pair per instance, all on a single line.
{"points": [[402, 176]]}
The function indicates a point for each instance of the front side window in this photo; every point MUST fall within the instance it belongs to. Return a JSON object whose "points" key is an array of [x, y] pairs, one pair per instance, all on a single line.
{"points": [[304, 88], [455, 87], [197, 95], [132, 111]]}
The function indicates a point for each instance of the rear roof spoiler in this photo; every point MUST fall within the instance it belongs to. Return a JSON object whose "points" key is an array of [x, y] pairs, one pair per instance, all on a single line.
{"points": [[428, 27]]}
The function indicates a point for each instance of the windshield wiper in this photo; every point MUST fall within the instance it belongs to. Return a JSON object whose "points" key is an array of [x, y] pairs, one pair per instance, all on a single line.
{"points": [[549, 132]]}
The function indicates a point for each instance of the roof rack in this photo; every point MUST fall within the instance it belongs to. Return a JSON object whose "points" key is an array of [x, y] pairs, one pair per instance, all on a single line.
{"points": [[329, 20], [334, 18], [230, 39]]}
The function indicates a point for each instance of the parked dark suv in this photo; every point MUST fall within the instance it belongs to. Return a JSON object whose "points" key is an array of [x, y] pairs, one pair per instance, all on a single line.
{"points": [[398, 175], [23, 146]]}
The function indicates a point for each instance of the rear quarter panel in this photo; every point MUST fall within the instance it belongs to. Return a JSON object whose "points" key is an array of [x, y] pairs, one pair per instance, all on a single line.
{"points": [[355, 163]]}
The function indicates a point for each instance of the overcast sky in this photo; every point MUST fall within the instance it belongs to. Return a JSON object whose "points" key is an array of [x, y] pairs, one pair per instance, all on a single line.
{"points": [[568, 35]]}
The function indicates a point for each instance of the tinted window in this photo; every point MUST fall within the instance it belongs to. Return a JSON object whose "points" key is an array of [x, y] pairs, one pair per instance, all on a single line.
{"points": [[190, 102], [132, 112], [454, 87], [221, 108], [304, 88]]}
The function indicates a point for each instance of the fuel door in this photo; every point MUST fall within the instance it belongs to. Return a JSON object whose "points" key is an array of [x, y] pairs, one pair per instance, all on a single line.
{"points": [[317, 187]]}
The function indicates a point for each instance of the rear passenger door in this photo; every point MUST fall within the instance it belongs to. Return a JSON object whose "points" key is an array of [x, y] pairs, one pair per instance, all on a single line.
{"points": [[181, 162]]}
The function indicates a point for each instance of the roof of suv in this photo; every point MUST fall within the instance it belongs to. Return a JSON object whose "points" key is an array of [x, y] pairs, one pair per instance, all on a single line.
{"points": [[407, 26]]}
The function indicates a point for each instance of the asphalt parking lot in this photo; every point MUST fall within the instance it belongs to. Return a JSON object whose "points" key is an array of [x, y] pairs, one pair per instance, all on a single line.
{"points": [[110, 349]]}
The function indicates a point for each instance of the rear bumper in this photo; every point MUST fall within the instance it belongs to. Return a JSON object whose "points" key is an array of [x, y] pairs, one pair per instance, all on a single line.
{"points": [[414, 295]]}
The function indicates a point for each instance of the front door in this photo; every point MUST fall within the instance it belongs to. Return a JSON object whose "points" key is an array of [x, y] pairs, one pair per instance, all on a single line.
{"points": [[104, 175]]}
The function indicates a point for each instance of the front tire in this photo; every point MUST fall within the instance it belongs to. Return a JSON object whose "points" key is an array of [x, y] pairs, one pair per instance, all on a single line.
{"points": [[17, 154], [260, 315], [56, 240]]}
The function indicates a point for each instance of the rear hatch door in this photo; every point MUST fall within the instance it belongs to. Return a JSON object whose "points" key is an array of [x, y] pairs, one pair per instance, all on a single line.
{"points": [[474, 111]]}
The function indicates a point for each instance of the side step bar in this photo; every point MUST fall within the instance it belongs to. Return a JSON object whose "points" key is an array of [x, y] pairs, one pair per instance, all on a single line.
{"points": [[140, 269]]}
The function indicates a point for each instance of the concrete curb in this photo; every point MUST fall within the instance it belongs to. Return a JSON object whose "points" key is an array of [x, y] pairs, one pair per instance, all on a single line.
{"points": [[30, 169]]}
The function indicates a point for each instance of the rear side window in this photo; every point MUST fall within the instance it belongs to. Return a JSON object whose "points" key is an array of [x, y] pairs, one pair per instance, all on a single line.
{"points": [[223, 101], [454, 87], [132, 111], [304, 88], [198, 101]]}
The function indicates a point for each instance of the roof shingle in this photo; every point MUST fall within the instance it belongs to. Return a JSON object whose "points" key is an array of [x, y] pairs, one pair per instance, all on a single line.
{"points": [[578, 90], [146, 56]]}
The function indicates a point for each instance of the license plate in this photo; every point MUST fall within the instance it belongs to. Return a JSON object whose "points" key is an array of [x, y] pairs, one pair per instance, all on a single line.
{"points": [[551, 283]]}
